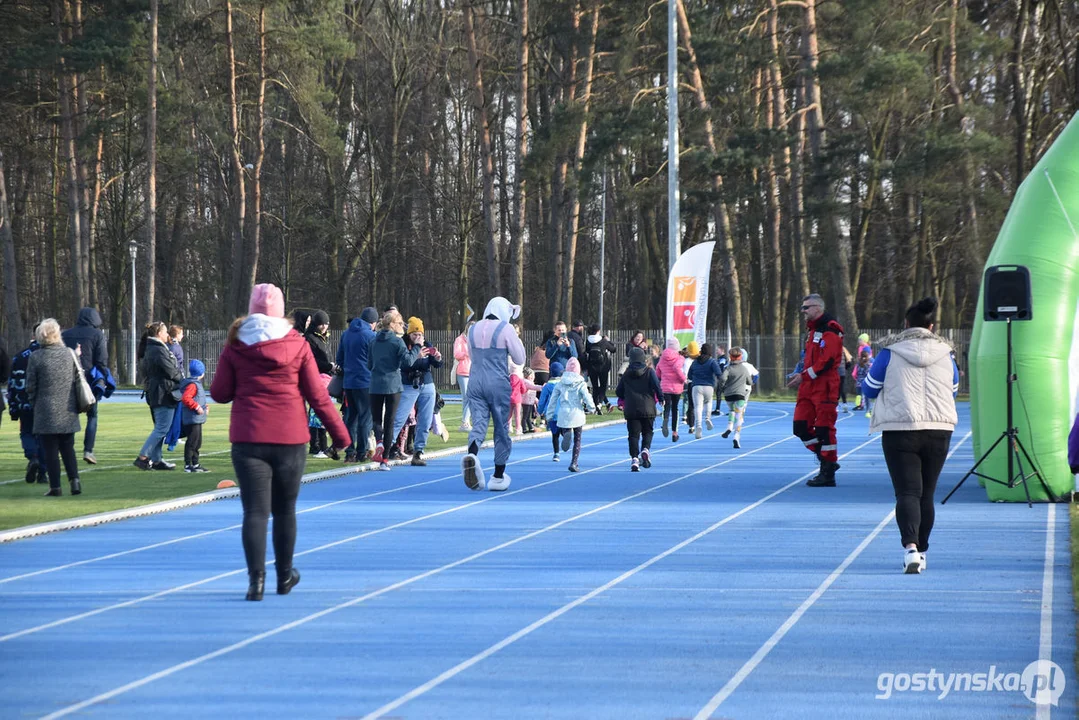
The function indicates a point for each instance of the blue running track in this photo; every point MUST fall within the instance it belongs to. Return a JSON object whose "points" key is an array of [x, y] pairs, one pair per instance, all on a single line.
{"points": [[714, 584]]}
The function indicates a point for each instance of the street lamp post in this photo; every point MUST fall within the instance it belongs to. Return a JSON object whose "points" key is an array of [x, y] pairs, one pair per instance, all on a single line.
{"points": [[133, 249]]}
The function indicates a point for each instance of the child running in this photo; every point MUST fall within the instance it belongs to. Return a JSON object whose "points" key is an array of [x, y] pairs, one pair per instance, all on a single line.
{"points": [[672, 380], [703, 373], [637, 391], [865, 362], [555, 369], [569, 401], [733, 384]]}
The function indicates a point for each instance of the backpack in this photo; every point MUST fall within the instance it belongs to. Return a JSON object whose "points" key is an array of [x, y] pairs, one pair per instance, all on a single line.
{"points": [[596, 359]]}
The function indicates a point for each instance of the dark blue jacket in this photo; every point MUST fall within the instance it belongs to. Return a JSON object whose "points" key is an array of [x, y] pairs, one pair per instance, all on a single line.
{"points": [[18, 400], [352, 355], [420, 365], [704, 373], [560, 353], [87, 332]]}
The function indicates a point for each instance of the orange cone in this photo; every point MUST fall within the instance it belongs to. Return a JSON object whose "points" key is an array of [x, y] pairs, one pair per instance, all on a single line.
{"points": [[226, 484]]}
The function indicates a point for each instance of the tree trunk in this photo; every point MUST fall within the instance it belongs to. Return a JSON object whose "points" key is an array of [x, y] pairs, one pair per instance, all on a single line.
{"points": [[575, 195], [12, 314], [260, 155], [67, 128], [722, 216], [151, 174], [517, 227], [239, 190], [494, 277]]}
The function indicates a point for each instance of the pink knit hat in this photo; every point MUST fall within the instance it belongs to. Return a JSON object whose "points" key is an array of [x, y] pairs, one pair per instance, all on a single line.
{"points": [[573, 366], [672, 344], [266, 298]]}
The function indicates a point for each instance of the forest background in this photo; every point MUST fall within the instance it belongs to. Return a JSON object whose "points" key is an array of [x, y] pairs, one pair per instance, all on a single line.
{"points": [[433, 153]]}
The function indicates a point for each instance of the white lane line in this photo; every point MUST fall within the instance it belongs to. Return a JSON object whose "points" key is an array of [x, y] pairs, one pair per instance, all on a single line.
{"points": [[762, 652], [398, 585], [523, 632], [1045, 639], [353, 538], [196, 536]]}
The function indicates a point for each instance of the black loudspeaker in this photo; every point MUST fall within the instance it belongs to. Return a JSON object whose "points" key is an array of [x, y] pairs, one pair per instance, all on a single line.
{"points": [[1007, 293]]}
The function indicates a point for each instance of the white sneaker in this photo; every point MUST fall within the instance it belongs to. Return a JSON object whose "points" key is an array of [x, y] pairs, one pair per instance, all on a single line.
{"points": [[844, 409], [708, 424], [320, 455], [472, 472], [445, 434], [923, 562], [464, 427], [499, 484], [912, 562], [698, 433], [555, 458]]}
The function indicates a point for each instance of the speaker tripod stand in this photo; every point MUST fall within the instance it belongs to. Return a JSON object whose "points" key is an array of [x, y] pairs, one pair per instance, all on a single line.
{"points": [[1016, 450]]}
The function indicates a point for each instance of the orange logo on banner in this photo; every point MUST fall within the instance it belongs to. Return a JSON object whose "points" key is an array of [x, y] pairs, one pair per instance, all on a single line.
{"points": [[685, 289]]}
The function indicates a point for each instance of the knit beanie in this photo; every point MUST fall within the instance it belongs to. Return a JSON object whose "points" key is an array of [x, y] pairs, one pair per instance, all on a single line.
{"points": [[369, 315], [557, 369], [266, 298], [196, 368], [320, 318], [415, 325], [672, 344], [573, 365], [693, 349], [636, 355]]}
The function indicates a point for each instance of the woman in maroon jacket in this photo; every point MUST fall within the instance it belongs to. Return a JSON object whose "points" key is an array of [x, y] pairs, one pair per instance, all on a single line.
{"points": [[267, 371]]}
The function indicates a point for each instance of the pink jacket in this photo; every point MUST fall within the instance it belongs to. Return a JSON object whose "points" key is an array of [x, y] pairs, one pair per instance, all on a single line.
{"points": [[672, 378], [518, 387], [462, 355]]}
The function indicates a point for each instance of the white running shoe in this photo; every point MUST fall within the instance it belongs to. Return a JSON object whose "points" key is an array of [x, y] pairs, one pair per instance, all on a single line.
{"points": [[555, 458], [923, 562], [708, 423], [499, 484], [320, 455], [464, 427], [472, 472], [912, 562], [698, 433]]}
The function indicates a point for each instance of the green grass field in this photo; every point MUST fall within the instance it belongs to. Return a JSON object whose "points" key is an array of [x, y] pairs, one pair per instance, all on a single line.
{"points": [[114, 483]]}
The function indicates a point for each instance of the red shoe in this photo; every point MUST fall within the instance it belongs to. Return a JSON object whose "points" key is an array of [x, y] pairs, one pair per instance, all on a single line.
{"points": [[377, 457]]}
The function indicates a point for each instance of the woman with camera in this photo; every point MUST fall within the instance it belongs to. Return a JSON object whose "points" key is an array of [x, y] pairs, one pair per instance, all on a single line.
{"points": [[418, 387], [914, 379]]}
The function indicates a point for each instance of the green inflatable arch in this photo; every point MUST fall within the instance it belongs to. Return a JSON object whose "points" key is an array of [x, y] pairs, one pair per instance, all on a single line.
{"points": [[1041, 231]]}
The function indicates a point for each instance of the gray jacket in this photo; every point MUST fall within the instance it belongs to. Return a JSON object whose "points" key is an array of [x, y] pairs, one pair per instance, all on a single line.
{"points": [[734, 381], [50, 385]]}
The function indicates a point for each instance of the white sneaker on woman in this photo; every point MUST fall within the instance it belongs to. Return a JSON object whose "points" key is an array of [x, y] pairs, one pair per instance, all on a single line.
{"points": [[912, 562]]}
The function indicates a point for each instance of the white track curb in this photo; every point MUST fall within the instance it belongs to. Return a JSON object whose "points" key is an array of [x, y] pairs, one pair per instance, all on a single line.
{"points": [[85, 521]]}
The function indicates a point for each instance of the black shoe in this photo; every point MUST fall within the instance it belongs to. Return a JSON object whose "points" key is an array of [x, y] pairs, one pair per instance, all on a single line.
{"points": [[31, 471], [76, 487], [142, 463], [286, 582], [567, 440], [826, 476], [257, 585], [409, 450], [737, 445], [726, 434], [162, 465], [54, 492], [574, 468], [42, 475], [417, 459]]}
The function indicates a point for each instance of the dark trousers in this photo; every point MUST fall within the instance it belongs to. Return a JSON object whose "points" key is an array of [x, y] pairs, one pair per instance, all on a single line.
{"points": [[269, 480], [358, 419], [383, 411], [670, 410], [30, 449], [90, 436], [576, 442], [640, 434], [193, 445], [527, 413], [599, 388], [55, 447], [318, 441], [556, 436], [542, 376], [915, 459]]}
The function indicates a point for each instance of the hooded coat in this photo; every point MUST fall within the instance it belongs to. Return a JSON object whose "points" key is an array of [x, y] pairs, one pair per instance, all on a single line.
{"points": [[267, 372], [160, 373], [50, 386], [671, 371], [352, 354], [87, 332], [914, 379], [639, 388], [569, 400]]}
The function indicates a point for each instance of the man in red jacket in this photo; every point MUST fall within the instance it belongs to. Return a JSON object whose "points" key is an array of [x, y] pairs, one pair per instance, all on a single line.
{"points": [[818, 389]]}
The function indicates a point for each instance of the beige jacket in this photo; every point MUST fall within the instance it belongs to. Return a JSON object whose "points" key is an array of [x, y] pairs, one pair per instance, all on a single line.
{"points": [[917, 389]]}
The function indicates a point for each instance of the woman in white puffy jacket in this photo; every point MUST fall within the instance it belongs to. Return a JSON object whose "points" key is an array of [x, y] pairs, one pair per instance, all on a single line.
{"points": [[569, 401]]}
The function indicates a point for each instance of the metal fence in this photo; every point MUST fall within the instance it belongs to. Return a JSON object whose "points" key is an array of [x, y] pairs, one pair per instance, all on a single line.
{"points": [[206, 345]]}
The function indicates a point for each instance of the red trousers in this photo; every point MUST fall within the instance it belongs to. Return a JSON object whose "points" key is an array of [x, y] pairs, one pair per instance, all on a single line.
{"points": [[815, 414]]}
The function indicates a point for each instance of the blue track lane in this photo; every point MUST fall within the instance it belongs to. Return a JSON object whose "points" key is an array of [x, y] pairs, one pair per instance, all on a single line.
{"points": [[713, 585]]}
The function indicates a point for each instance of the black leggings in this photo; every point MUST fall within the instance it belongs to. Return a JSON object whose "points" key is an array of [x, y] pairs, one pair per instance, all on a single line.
{"points": [[383, 410], [640, 429], [193, 445], [915, 459], [670, 410], [54, 447], [576, 442], [269, 479], [599, 388]]}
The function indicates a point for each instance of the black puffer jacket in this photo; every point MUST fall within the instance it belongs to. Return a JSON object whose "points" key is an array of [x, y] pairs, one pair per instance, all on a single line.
{"points": [[87, 332], [639, 388], [320, 348], [161, 375]]}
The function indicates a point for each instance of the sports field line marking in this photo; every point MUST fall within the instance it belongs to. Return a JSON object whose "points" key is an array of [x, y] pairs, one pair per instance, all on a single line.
{"points": [[555, 614], [762, 652], [99, 468], [361, 536], [403, 583], [1045, 637], [206, 533]]}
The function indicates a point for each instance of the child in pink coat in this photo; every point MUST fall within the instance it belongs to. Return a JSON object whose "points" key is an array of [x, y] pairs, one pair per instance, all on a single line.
{"points": [[672, 380], [518, 387]]}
